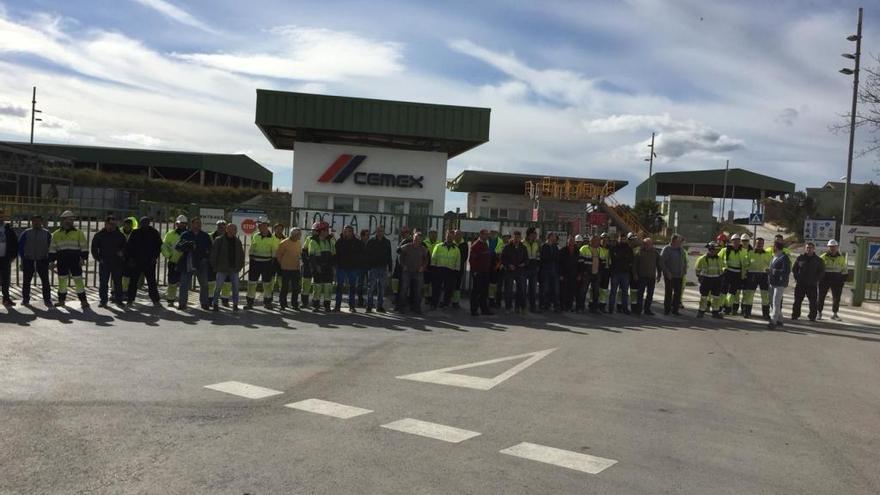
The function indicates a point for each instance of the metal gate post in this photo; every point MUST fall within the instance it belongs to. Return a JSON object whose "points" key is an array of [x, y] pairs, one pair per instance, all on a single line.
{"points": [[860, 271]]}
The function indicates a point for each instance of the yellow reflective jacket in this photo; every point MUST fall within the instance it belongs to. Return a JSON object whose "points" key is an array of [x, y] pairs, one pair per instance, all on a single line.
{"points": [[446, 256]]}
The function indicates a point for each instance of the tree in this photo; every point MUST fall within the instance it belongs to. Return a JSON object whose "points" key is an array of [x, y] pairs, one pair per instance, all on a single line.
{"points": [[647, 211], [868, 112], [795, 209], [866, 205]]}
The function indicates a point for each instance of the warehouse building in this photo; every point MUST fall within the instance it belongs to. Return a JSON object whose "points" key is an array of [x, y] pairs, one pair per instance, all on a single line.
{"points": [[207, 169]]}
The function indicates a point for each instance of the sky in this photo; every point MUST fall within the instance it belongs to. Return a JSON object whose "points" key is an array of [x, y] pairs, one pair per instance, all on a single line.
{"points": [[576, 87]]}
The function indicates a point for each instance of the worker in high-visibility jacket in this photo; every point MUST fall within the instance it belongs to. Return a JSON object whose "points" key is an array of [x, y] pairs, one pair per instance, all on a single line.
{"points": [[533, 266], [496, 245], [306, 270], [833, 278], [710, 270], [734, 259], [262, 265], [278, 233], [68, 252], [445, 263], [757, 274], [605, 273], [322, 256], [172, 256]]}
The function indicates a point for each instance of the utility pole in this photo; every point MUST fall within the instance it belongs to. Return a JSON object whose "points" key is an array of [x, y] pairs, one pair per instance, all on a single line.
{"points": [[34, 113], [724, 193], [852, 122], [650, 161]]}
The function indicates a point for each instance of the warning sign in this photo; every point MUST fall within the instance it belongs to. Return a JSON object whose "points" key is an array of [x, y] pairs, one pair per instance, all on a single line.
{"points": [[874, 254]]}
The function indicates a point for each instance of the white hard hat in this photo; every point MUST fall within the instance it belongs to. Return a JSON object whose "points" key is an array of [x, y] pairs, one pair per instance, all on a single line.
{"points": [[832, 242], [578, 238], [734, 237], [181, 219], [67, 214], [745, 237]]}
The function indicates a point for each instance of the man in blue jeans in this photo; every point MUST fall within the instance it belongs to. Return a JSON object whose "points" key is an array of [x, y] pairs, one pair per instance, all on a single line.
{"points": [[349, 263], [621, 266], [195, 244], [378, 262]]}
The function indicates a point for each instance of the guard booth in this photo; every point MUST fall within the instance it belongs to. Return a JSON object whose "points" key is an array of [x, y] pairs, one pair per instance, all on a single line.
{"points": [[866, 275]]}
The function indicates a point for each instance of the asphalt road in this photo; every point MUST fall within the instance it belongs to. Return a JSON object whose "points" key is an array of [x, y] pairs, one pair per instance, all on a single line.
{"points": [[115, 402]]}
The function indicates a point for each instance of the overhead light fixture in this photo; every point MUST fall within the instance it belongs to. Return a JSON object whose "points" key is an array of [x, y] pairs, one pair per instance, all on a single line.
{"points": [[848, 55], [852, 37], [848, 72]]}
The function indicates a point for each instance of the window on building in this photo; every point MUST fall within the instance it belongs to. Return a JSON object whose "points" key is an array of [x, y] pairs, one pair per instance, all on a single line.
{"points": [[343, 203], [421, 208], [485, 212], [393, 206], [317, 201], [503, 213], [369, 205]]}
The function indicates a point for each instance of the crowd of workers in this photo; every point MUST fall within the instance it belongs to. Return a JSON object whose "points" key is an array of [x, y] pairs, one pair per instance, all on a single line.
{"points": [[516, 272]]}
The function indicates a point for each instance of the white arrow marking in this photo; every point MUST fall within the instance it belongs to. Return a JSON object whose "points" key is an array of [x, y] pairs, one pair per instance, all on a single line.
{"points": [[443, 376]]}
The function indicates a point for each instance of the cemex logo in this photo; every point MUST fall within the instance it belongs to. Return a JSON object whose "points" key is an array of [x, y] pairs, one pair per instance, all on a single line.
{"points": [[345, 165]]}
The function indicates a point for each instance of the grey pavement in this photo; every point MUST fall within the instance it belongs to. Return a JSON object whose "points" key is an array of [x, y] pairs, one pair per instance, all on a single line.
{"points": [[115, 402]]}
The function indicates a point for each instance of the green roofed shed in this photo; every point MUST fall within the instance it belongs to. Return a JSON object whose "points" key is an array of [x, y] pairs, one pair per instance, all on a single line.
{"points": [[285, 118], [741, 184]]}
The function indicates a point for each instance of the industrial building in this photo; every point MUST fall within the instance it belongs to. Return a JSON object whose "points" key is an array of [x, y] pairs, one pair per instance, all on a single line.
{"points": [[828, 199], [368, 157], [208, 169]]}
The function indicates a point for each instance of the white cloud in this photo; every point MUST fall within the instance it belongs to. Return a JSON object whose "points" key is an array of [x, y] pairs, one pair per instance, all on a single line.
{"points": [[176, 13], [311, 54], [138, 139], [617, 123], [13, 110], [787, 117]]}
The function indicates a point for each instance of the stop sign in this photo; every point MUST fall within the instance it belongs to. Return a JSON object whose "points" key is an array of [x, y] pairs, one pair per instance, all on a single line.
{"points": [[248, 226]]}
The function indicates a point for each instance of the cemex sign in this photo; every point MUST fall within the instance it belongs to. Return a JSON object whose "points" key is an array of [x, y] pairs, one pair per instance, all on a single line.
{"points": [[345, 164]]}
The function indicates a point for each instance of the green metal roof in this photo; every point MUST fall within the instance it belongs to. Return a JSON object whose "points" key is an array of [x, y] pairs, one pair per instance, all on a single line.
{"points": [[741, 184], [235, 165], [285, 118], [508, 183]]}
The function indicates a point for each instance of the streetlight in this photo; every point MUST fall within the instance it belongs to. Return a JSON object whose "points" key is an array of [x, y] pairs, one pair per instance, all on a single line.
{"points": [[852, 122], [34, 113], [650, 161]]}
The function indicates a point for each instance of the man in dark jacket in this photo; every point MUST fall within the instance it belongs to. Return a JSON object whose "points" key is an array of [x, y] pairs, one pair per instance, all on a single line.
{"points": [[349, 263], [195, 244], [569, 273], [480, 259], [463, 251], [33, 249], [378, 263], [807, 270], [646, 272], [141, 252], [227, 259], [514, 259], [8, 253], [108, 249], [549, 273], [621, 263]]}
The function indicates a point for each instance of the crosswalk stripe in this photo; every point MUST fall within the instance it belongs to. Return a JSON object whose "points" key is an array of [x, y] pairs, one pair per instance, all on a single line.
{"points": [[549, 455], [431, 430], [328, 408], [245, 390]]}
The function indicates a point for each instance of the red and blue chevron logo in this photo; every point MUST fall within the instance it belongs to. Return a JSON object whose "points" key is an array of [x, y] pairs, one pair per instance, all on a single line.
{"points": [[343, 167]]}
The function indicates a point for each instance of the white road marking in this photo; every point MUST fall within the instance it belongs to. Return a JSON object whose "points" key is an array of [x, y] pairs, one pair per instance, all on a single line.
{"points": [[565, 458], [328, 408], [443, 376], [244, 390], [431, 430]]}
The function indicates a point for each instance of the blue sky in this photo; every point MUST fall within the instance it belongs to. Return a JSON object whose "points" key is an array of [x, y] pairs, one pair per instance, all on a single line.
{"points": [[576, 88]]}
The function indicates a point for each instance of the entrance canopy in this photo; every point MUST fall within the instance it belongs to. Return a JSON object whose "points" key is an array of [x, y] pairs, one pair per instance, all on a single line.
{"points": [[507, 183], [741, 184], [285, 118]]}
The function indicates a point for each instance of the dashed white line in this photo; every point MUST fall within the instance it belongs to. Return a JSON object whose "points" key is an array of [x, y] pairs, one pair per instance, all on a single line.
{"points": [[328, 408], [244, 390], [431, 430], [572, 460]]}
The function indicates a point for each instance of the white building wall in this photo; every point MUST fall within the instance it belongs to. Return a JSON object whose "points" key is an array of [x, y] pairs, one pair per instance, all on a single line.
{"points": [[311, 160]]}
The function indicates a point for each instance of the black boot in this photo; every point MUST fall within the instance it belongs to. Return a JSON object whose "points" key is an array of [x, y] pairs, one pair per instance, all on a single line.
{"points": [[747, 311], [316, 305], [83, 301], [61, 299], [735, 309], [267, 303], [717, 314], [765, 312], [249, 304], [327, 306]]}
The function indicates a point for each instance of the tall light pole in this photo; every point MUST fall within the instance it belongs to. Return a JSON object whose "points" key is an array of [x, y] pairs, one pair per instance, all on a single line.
{"points": [[34, 113], [852, 118], [650, 161]]}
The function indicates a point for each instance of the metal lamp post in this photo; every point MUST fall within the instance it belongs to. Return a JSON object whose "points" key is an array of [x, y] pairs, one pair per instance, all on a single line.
{"points": [[852, 123]]}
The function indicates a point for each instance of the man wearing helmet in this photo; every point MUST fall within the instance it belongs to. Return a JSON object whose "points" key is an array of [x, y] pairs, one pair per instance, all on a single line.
{"points": [[322, 254], [734, 259], [590, 269], [833, 279], [172, 256], [605, 271], [709, 270], [807, 270], [68, 252]]}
